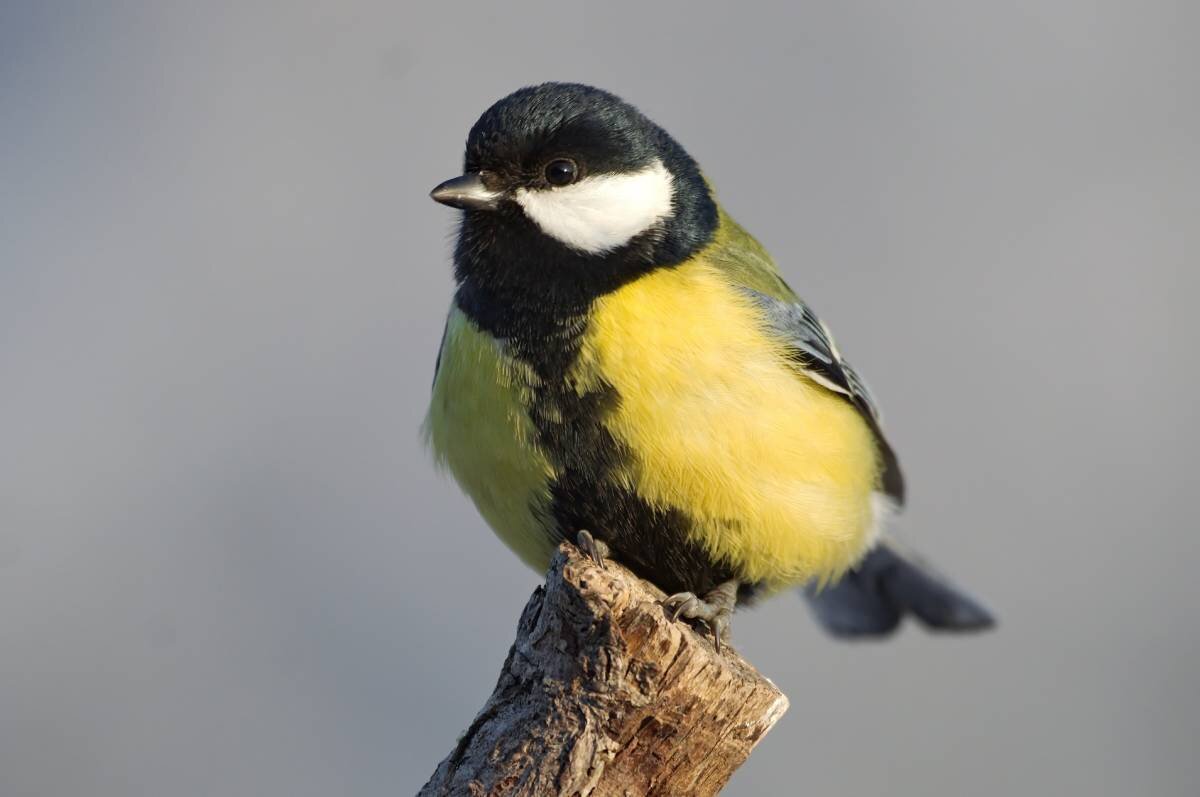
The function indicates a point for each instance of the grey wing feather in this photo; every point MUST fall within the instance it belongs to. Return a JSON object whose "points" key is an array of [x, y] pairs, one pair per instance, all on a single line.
{"points": [[818, 356]]}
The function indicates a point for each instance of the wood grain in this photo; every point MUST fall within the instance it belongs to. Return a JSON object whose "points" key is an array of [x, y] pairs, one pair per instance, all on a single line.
{"points": [[602, 694]]}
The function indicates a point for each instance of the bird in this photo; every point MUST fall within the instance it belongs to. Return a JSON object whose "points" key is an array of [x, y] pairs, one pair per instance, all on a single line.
{"points": [[623, 366]]}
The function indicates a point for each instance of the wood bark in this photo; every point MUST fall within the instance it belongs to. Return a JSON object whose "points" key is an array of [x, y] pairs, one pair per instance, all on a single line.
{"points": [[602, 694]]}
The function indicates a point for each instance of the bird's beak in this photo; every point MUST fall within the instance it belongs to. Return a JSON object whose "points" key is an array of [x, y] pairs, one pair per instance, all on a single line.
{"points": [[466, 193]]}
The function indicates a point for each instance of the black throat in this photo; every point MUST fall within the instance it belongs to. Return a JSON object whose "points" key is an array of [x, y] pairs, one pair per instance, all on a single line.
{"points": [[517, 283], [535, 295]]}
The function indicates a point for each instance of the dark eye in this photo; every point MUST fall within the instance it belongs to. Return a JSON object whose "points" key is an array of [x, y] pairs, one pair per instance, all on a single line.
{"points": [[561, 172]]}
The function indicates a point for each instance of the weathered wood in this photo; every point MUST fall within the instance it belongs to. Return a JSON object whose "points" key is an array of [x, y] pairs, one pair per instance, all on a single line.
{"points": [[602, 694]]}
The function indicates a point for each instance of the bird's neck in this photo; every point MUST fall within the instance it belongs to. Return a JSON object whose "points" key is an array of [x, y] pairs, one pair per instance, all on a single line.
{"points": [[521, 286], [543, 330]]}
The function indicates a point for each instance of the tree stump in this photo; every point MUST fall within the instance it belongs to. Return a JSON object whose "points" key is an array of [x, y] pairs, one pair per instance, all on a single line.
{"points": [[602, 694]]}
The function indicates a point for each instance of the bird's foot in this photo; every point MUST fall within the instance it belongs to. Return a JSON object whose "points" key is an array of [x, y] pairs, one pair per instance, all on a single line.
{"points": [[715, 610], [592, 548]]}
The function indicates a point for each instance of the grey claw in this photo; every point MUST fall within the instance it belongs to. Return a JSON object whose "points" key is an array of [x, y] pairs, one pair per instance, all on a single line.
{"points": [[719, 626], [592, 548], [681, 602], [714, 610], [679, 609]]}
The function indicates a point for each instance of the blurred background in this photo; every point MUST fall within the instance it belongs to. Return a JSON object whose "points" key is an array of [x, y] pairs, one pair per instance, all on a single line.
{"points": [[226, 563]]}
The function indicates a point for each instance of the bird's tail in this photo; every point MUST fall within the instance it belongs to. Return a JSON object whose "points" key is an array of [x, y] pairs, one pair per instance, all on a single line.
{"points": [[888, 584]]}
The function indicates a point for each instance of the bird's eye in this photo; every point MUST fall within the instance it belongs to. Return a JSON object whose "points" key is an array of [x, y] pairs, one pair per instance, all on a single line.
{"points": [[561, 172]]}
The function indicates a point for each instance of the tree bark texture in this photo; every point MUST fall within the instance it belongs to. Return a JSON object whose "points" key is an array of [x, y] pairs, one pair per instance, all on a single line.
{"points": [[602, 694]]}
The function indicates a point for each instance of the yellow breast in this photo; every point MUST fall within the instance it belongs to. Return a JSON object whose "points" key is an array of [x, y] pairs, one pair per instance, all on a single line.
{"points": [[478, 427], [776, 471]]}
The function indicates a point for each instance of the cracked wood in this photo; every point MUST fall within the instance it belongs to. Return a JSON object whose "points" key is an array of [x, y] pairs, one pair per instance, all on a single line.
{"points": [[601, 694]]}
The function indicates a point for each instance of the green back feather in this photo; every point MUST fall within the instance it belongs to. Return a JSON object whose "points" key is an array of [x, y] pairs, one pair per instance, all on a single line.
{"points": [[745, 261]]}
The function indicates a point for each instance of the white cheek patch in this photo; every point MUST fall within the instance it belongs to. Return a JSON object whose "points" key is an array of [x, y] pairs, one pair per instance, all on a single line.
{"points": [[599, 214]]}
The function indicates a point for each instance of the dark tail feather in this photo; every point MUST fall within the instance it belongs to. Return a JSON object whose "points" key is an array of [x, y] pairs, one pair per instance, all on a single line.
{"points": [[873, 598]]}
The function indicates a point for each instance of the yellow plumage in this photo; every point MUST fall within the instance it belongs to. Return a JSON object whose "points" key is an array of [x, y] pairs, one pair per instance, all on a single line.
{"points": [[776, 472]]}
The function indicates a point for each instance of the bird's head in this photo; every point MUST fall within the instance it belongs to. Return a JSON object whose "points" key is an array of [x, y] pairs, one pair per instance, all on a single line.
{"points": [[565, 183]]}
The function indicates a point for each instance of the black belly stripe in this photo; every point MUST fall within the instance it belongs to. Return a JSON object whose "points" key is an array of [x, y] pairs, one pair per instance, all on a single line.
{"points": [[653, 541]]}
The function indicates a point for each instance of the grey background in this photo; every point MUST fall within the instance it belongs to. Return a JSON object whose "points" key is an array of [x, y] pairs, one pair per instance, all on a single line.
{"points": [[226, 565]]}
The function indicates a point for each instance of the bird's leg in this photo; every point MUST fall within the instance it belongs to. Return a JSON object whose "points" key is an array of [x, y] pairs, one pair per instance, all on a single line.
{"points": [[592, 548], [716, 609]]}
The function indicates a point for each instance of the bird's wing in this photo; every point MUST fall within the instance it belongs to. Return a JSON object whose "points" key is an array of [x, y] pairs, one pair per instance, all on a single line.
{"points": [[808, 341], [810, 346]]}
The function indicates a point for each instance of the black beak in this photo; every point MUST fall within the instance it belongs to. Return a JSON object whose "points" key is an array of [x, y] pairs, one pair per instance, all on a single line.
{"points": [[466, 193]]}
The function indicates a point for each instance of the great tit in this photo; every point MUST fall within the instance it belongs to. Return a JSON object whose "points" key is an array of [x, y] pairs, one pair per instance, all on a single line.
{"points": [[624, 366]]}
